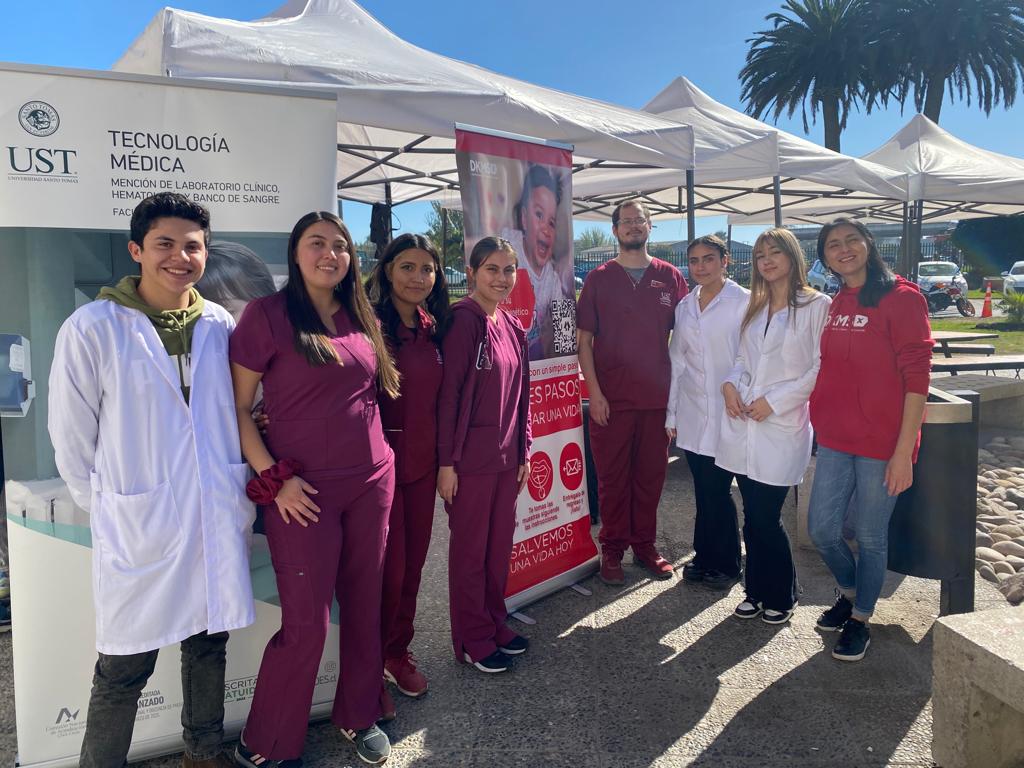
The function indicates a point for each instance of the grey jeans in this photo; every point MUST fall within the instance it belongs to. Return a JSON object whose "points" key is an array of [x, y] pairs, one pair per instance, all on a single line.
{"points": [[117, 684]]}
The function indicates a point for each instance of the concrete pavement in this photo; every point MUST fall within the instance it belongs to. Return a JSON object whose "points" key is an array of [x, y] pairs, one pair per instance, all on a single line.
{"points": [[657, 673]]}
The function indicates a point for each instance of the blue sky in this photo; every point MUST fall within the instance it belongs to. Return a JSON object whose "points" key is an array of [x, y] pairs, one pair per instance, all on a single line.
{"points": [[623, 53]]}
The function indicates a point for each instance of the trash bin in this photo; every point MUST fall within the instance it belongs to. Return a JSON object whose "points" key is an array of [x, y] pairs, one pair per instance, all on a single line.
{"points": [[931, 534], [592, 504]]}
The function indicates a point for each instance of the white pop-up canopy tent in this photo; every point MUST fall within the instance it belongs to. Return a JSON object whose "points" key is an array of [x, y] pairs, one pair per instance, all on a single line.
{"points": [[947, 179], [738, 160], [397, 103]]}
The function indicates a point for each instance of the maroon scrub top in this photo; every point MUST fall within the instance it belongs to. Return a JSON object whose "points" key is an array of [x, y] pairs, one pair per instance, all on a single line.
{"points": [[324, 416], [631, 324], [410, 421], [491, 356]]}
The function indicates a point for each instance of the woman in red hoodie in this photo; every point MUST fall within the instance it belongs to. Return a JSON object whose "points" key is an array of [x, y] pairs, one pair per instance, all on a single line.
{"points": [[483, 442], [866, 409]]}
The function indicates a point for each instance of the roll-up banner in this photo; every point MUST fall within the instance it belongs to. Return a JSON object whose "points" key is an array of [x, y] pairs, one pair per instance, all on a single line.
{"points": [[520, 189], [78, 151]]}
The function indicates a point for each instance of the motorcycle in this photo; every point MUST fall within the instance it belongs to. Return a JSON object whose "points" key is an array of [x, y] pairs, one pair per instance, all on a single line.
{"points": [[943, 295]]}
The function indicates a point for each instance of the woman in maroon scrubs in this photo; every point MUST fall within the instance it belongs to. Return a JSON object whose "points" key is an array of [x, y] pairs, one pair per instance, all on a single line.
{"points": [[483, 444], [325, 474], [410, 296]]}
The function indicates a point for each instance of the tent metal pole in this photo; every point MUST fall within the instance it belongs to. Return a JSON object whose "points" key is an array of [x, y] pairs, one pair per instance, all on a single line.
{"points": [[444, 237], [904, 268], [777, 199], [691, 208], [915, 239], [728, 236], [341, 214]]}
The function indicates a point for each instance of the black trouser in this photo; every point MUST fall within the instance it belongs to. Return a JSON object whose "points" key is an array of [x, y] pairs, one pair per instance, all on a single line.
{"points": [[716, 536], [771, 574], [117, 684]]}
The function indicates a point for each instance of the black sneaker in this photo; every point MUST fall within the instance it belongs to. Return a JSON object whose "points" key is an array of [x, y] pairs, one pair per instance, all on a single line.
{"points": [[719, 581], [748, 609], [245, 756], [493, 664], [515, 646], [372, 744], [835, 617], [853, 642], [693, 573]]}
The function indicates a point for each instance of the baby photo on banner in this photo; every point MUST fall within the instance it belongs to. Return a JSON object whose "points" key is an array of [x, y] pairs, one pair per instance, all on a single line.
{"points": [[521, 189]]}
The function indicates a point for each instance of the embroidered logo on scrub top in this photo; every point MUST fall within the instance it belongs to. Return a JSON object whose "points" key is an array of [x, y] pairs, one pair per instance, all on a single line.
{"points": [[657, 284], [666, 299]]}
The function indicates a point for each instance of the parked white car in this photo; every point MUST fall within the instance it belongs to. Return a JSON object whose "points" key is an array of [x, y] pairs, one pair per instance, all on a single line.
{"points": [[931, 272], [1013, 279], [819, 278]]}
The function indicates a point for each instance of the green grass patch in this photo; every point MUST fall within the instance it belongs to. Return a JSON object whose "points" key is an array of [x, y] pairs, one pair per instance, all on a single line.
{"points": [[1011, 335]]}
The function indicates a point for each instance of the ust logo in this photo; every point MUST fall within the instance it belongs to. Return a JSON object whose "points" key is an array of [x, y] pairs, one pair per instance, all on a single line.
{"points": [[859, 321], [41, 161], [66, 716]]}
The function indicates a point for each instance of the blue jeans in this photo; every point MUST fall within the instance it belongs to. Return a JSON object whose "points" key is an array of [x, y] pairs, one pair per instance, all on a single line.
{"points": [[838, 478]]}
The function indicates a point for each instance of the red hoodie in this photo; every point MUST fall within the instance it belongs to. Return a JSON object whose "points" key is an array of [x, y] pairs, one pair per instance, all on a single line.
{"points": [[870, 358]]}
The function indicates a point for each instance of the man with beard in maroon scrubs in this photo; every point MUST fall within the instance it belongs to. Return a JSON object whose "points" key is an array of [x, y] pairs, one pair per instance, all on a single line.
{"points": [[623, 320]]}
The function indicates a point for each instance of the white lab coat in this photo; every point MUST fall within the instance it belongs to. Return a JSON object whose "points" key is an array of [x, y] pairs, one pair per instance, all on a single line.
{"points": [[703, 351], [163, 482], [781, 365]]}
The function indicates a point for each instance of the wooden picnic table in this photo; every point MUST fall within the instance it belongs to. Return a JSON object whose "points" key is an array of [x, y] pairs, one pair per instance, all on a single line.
{"points": [[945, 338], [991, 363]]}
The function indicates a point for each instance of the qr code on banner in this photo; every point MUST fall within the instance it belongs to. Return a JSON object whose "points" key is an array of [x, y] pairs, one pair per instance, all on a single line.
{"points": [[563, 324]]}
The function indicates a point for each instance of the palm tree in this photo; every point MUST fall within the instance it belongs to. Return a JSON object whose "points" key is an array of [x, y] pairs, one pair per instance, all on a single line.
{"points": [[817, 52], [975, 48]]}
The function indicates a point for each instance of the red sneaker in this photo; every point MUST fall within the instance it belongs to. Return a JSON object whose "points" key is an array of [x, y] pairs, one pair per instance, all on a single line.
{"points": [[611, 569], [387, 706], [658, 566], [403, 673]]}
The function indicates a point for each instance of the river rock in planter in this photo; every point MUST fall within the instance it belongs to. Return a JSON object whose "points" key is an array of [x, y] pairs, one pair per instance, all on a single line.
{"points": [[982, 539], [994, 519], [1003, 567], [1013, 531], [997, 537], [1009, 548], [990, 554], [1013, 588], [988, 574], [1016, 562]]}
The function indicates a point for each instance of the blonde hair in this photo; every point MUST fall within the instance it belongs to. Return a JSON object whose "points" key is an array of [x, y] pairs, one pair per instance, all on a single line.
{"points": [[760, 294]]}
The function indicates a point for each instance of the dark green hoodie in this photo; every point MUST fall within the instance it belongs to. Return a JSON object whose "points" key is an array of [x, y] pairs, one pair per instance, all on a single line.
{"points": [[173, 326]]}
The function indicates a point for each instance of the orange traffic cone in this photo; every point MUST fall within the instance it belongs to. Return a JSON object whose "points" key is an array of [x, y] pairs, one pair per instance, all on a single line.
{"points": [[986, 308]]}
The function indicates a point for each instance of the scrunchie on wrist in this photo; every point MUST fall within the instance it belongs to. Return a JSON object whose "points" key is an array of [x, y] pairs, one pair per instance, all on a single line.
{"points": [[263, 488]]}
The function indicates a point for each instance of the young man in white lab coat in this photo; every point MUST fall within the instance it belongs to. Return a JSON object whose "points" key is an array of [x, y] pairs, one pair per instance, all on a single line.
{"points": [[144, 433]]}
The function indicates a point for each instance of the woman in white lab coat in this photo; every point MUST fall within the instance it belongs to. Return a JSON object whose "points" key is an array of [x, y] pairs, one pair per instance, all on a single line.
{"points": [[765, 436], [703, 350]]}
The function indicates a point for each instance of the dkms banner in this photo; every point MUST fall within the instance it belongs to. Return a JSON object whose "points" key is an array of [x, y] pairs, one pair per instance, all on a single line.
{"points": [[78, 151], [521, 189]]}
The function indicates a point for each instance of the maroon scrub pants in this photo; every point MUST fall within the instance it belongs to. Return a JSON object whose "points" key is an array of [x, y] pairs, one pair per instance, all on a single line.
{"points": [[482, 519], [631, 458], [409, 528], [342, 555]]}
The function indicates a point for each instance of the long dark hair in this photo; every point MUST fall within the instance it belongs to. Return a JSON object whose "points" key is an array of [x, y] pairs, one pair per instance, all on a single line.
{"points": [[311, 338], [379, 286], [880, 279]]}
